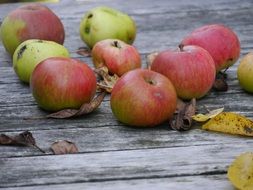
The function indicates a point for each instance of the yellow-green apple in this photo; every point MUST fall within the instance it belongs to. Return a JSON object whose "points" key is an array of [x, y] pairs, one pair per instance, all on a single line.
{"points": [[220, 41], [191, 69], [32, 21], [59, 83], [118, 56], [143, 98], [245, 72], [29, 53], [103, 23]]}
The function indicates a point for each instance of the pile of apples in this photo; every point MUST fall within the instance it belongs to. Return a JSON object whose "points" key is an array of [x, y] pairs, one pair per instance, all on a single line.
{"points": [[34, 35]]}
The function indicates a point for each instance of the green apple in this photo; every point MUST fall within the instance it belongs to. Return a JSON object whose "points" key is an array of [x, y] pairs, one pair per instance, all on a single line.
{"points": [[104, 22], [31, 52], [245, 72]]}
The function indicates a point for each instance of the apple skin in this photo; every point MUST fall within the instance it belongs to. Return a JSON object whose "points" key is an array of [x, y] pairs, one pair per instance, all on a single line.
{"points": [[32, 21], [31, 52], [59, 83], [245, 72], [191, 69], [116, 55], [143, 98], [106, 23], [220, 41]]}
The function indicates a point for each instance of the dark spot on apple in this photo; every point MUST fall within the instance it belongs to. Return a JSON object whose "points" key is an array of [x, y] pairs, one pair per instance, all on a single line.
{"points": [[90, 16], [40, 41], [87, 29], [21, 51]]}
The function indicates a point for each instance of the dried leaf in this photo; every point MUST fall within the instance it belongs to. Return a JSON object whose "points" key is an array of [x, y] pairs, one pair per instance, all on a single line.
{"points": [[64, 147], [204, 117], [107, 81], [23, 139], [182, 120], [84, 51], [220, 83], [84, 109], [232, 123], [150, 58]]}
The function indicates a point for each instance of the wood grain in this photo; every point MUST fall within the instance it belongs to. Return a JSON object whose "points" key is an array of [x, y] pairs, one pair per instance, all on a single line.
{"points": [[112, 155]]}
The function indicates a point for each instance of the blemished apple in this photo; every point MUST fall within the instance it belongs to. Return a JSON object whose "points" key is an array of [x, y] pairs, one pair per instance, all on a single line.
{"points": [[106, 23], [118, 56], [191, 69], [220, 41], [143, 98], [32, 21], [245, 72], [59, 83], [31, 52]]}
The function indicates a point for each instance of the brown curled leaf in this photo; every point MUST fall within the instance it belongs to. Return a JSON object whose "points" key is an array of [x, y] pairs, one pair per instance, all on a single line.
{"points": [[231, 123], [86, 108], [150, 58], [64, 147], [23, 139], [220, 83], [84, 51], [106, 81], [182, 120]]}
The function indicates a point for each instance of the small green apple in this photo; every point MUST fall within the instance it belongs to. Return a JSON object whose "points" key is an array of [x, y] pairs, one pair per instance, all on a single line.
{"points": [[104, 22], [31, 52], [245, 72]]}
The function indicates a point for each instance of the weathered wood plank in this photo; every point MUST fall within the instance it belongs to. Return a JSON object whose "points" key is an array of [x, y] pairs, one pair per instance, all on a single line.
{"points": [[119, 165], [113, 156], [115, 138], [175, 183]]}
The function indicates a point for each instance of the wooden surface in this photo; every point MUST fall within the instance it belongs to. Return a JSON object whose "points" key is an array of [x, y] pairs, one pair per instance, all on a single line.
{"points": [[114, 156]]}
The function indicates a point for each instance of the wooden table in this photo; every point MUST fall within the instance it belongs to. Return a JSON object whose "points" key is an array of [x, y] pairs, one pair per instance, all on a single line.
{"points": [[114, 156]]}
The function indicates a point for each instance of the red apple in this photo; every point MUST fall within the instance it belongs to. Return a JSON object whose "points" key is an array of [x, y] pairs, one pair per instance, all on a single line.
{"points": [[32, 21], [118, 56], [58, 83], [220, 41], [143, 97], [191, 69]]}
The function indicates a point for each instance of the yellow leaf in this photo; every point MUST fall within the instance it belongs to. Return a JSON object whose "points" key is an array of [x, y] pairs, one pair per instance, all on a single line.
{"points": [[240, 172], [204, 117], [232, 123]]}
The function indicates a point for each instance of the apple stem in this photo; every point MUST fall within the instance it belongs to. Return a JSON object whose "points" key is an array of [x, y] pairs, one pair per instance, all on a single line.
{"points": [[181, 46], [116, 44]]}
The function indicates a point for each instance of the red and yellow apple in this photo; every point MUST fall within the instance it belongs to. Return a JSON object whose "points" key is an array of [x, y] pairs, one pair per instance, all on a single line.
{"points": [[191, 69], [31, 52], [118, 56], [220, 41], [32, 21], [59, 83], [106, 23], [143, 98], [245, 72]]}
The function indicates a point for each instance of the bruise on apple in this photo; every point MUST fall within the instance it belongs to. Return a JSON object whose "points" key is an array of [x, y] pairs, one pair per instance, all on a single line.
{"points": [[21, 51]]}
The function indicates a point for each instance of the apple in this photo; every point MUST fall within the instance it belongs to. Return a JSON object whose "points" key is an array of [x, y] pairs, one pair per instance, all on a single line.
{"points": [[191, 69], [59, 83], [245, 72], [32, 21], [118, 56], [29, 53], [106, 23], [220, 41], [143, 98]]}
